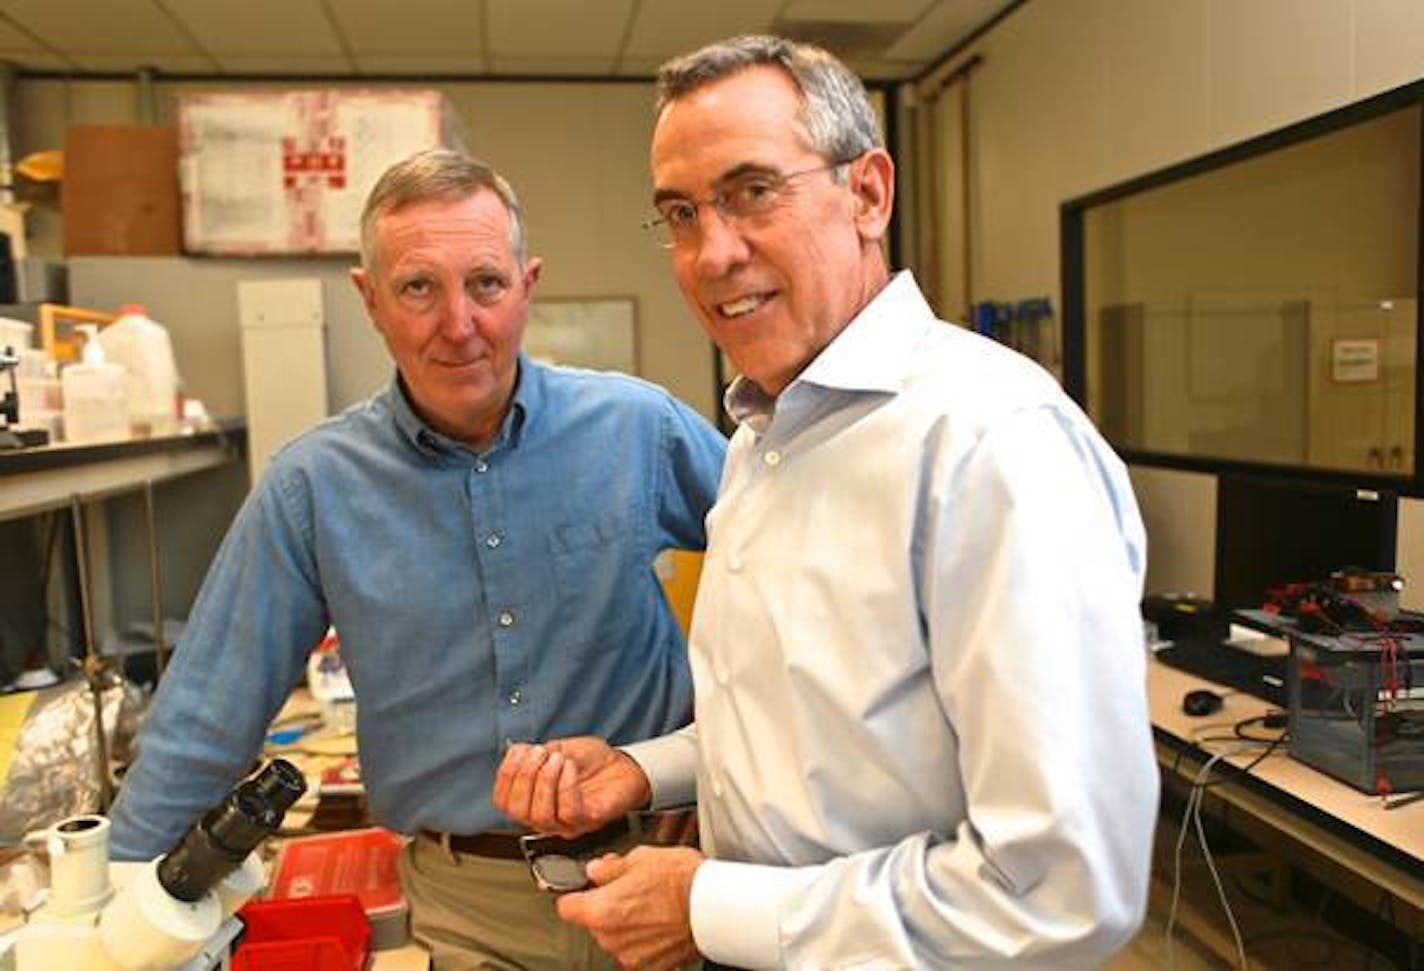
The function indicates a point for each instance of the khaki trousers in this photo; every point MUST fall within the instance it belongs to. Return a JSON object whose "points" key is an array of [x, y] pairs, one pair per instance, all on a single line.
{"points": [[472, 913]]}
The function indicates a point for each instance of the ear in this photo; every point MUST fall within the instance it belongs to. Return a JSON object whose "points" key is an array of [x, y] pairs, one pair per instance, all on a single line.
{"points": [[532, 269], [872, 181], [361, 280]]}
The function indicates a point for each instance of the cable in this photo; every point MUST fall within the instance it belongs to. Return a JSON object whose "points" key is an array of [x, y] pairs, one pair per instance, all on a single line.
{"points": [[1192, 818]]}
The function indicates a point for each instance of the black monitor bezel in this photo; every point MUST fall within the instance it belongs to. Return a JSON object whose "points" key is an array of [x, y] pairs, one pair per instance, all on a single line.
{"points": [[1234, 487]]}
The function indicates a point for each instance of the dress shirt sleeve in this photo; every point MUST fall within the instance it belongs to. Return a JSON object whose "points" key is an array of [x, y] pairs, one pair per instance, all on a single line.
{"points": [[256, 618], [1028, 551], [691, 470], [670, 764]]}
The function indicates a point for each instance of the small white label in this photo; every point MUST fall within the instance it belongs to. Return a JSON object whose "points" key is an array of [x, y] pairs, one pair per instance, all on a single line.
{"points": [[1354, 361]]}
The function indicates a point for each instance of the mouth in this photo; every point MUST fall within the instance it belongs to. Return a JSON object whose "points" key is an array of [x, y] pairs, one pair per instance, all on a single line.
{"points": [[742, 306], [461, 364]]}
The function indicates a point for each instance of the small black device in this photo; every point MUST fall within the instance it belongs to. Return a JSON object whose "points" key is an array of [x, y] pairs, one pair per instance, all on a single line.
{"points": [[557, 864], [1201, 702], [553, 864], [221, 839], [1183, 617]]}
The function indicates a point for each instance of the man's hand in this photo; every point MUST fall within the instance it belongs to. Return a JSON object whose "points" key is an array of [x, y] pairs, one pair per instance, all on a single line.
{"points": [[639, 910], [569, 786]]}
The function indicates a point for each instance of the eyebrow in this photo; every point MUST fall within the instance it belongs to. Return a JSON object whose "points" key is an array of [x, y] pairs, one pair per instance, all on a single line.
{"points": [[732, 174]]}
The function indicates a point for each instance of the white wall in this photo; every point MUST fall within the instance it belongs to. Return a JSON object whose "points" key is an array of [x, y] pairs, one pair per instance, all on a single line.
{"points": [[1076, 95], [576, 154]]}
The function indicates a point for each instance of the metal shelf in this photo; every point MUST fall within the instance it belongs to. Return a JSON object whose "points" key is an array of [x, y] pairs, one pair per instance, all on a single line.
{"points": [[51, 477]]}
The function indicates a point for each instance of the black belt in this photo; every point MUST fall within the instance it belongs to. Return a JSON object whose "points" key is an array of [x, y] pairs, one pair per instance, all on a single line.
{"points": [[499, 846], [505, 845]]}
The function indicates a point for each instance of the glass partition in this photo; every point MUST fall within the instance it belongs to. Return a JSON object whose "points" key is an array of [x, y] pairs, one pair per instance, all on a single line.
{"points": [[1258, 308]]}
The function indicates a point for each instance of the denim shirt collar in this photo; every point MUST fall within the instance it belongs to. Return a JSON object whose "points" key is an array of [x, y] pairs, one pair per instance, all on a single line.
{"points": [[528, 396]]}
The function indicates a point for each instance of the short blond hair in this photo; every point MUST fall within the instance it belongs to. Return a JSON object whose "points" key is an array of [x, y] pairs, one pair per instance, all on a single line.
{"points": [[437, 173]]}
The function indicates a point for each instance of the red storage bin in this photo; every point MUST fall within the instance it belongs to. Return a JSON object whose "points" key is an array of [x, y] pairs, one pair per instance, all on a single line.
{"points": [[306, 934]]}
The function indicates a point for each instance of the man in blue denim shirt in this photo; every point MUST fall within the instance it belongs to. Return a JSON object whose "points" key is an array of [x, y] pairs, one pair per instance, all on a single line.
{"points": [[482, 536]]}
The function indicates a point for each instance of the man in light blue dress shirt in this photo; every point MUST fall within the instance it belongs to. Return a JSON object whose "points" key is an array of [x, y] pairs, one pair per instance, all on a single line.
{"points": [[921, 737], [481, 535]]}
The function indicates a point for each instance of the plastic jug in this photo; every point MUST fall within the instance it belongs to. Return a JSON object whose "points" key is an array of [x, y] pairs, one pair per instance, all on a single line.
{"points": [[93, 392], [144, 349]]}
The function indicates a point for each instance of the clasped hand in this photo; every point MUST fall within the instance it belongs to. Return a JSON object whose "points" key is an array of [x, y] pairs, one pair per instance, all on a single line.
{"points": [[638, 909]]}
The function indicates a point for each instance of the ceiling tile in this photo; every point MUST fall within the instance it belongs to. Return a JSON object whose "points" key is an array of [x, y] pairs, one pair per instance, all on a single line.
{"points": [[855, 11], [449, 37], [407, 64], [410, 27], [639, 67], [128, 26], [882, 69], [551, 65], [36, 61], [663, 30], [947, 24], [14, 40], [572, 28], [257, 27], [300, 64], [163, 63]]}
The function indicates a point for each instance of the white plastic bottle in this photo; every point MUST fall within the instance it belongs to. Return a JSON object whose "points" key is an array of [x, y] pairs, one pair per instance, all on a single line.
{"points": [[144, 349], [93, 392]]}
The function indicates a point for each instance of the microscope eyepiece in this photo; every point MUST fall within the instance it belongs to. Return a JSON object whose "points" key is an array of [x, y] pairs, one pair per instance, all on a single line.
{"points": [[223, 837]]}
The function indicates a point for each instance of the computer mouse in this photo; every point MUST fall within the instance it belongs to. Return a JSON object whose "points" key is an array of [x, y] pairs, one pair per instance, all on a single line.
{"points": [[1201, 702]]}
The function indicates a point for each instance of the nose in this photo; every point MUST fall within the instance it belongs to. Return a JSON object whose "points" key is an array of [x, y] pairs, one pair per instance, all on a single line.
{"points": [[458, 319], [720, 245]]}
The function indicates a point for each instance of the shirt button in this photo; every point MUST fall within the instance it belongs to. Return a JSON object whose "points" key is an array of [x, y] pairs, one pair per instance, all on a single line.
{"points": [[719, 670], [493, 540], [516, 696], [506, 618], [481, 466], [734, 563], [772, 458], [717, 789]]}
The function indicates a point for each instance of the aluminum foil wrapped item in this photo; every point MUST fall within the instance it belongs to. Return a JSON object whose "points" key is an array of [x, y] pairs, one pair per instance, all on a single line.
{"points": [[53, 771]]}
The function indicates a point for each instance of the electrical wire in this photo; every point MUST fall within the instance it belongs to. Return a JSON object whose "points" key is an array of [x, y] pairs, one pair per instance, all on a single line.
{"points": [[1191, 819]]}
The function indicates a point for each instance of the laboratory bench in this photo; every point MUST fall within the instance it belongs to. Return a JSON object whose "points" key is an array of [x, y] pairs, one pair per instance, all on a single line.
{"points": [[45, 477], [1364, 848]]}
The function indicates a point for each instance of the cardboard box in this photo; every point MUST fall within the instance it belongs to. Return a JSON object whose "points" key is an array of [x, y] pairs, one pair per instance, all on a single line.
{"points": [[120, 191], [288, 172]]}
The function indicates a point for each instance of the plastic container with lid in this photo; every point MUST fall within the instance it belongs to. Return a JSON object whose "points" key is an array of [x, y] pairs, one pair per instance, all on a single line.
{"points": [[144, 349], [93, 393]]}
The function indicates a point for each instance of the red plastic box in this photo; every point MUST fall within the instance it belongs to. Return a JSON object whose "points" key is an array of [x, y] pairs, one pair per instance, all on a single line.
{"points": [[308, 934]]}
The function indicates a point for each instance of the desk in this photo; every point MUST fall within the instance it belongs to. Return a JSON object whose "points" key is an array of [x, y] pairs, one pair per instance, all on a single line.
{"points": [[1312, 813]]}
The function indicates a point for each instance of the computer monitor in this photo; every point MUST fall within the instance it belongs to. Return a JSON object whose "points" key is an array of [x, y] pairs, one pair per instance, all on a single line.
{"points": [[1271, 531]]}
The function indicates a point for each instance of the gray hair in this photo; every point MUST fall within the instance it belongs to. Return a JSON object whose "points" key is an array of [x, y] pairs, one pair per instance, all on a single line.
{"points": [[835, 114], [437, 173]]}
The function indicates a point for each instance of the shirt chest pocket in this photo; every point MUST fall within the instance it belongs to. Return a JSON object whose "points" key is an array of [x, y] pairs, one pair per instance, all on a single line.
{"points": [[599, 582]]}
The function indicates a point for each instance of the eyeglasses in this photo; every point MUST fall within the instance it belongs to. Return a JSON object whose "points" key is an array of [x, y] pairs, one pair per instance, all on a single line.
{"points": [[742, 198]]}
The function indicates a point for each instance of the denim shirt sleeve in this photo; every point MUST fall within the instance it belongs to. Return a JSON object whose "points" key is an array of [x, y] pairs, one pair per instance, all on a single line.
{"points": [[691, 470], [258, 614]]}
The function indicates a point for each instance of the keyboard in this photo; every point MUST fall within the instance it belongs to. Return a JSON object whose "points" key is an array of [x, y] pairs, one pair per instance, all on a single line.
{"points": [[1264, 677]]}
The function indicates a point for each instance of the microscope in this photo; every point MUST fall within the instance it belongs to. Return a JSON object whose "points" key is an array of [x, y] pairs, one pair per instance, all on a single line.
{"points": [[177, 911]]}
